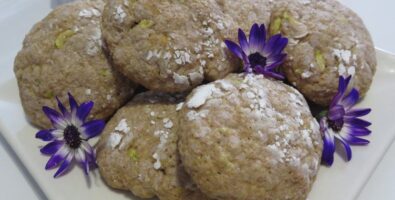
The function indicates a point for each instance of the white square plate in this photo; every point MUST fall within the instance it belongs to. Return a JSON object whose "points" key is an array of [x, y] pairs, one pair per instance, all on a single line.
{"points": [[341, 181]]}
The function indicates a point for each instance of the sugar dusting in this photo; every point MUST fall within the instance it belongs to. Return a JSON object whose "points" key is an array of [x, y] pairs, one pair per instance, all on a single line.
{"points": [[344, 55], [114, 140], [346, 60], [167, 123], [201, 95], [120, 131], [180, 79], [119, 14], [89, 13], [163, 137], [94, 43]]}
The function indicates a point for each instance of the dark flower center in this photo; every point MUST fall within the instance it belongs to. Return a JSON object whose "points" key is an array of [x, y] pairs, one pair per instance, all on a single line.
{"points": [[257, 59], [336, 125], [72, 137]]}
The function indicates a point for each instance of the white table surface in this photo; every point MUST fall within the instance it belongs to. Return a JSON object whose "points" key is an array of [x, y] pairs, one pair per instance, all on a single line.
{"points": [[379, 17]]}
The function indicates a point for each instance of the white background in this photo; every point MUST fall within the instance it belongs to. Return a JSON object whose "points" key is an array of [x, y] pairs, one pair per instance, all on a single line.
{"points": [[379, 17]]}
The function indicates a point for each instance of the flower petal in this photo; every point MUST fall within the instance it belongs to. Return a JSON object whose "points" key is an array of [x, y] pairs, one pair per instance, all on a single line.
{"points": [[61, 107], [57, 133], [336, 99], [84, 109], [55, 118], [343, 84], [262, 70], [256, 39], [347, 81], [279, 46], [347, 148], [51, 113], [92, 161], [88, 149], [356, 122], [82, 160], [358, 112], [45, 135], [234, 48], [276, 58], [274, 75], [357, 141], [65, 165], [351, 99], [336, 113], [349, 134], [270, 45], [58, 157], [328, 148], [359, 131], [243, 41], [263, 35], [342, 87], [73, 103], [90, 154], [274, 65], [246, 64], [92, 129], [52, 147]]}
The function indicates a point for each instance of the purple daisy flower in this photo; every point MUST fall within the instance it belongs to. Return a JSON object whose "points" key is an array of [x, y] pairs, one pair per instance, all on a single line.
{"points": [[69, 135], [342, 123], [258, 55]]}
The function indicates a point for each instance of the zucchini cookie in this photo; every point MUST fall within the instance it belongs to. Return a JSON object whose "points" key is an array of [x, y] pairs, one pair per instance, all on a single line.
{"points": [[138, 150], [171, 45], [248, 137], [326, 40], [63, 53]]}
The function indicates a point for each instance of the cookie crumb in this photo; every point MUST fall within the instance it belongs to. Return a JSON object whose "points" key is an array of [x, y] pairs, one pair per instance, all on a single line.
{"points": [[88, 91], [179, 106]]}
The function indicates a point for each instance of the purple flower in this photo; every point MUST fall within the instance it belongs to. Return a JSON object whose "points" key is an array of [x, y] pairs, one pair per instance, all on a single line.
{"points": [[69, 135], [258, 55], [343, 123]]}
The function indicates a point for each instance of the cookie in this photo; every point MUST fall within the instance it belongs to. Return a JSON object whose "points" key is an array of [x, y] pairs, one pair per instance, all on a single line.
{"points": [[248, 137], [138, 150], [173, 46], [326, 40], [63, 53]]}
